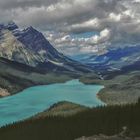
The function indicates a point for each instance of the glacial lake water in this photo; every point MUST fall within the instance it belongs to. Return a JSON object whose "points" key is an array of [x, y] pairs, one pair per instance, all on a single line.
{"points": [[39, 98]]}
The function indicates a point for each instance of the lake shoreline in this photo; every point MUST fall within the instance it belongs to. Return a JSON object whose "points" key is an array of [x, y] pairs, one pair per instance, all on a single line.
{"points": [[120, 90], [36, 99]]}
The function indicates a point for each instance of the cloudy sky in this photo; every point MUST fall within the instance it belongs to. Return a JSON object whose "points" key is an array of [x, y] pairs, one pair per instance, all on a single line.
{"points": [[78, 26]]}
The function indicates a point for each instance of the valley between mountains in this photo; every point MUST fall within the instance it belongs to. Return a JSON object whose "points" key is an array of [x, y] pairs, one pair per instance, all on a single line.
{"points": [[28, 59]]}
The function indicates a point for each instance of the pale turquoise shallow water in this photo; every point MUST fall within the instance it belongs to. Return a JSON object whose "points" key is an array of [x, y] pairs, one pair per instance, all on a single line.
{"points": [[39, 98]]}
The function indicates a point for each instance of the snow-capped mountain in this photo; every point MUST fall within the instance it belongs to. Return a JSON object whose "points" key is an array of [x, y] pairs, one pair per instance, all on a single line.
{"points": [[114, 59], [30, 47]]}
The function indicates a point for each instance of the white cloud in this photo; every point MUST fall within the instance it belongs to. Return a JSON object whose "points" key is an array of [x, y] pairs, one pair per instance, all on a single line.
{"points": [[70, 45], [101, 38], [115, 17], [92, 24], [137, 1]]}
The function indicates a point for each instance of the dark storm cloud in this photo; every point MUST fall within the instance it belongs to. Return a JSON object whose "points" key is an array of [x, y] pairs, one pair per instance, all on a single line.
{"points": [[11, 4], [116, 21]]}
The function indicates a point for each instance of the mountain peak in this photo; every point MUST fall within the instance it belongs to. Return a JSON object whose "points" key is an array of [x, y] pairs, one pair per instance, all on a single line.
{"points": [[30, 47], [31, 29], [10, 26]]}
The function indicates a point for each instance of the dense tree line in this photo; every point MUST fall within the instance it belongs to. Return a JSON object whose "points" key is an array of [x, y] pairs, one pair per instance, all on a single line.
{"points": [[106, 120]]}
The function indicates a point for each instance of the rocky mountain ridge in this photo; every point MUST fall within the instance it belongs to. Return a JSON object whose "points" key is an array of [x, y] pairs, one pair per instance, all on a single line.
{"points": [[29, 46]]}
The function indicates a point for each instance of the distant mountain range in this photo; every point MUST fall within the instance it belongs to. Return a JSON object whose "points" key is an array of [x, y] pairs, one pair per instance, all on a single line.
{"points": [[115, 60], [30, 47], [27, 58]]}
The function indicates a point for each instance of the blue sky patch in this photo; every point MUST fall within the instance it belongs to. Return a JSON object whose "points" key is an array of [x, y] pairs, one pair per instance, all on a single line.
{"points": [[85, 35]]}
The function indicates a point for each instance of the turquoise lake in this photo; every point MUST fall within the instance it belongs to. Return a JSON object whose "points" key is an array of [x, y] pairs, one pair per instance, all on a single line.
{"points": [[39, 98]]}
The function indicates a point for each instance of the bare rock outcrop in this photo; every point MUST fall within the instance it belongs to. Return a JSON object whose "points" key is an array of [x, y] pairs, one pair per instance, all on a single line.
{"points": [[4, 92], [124, 135]]}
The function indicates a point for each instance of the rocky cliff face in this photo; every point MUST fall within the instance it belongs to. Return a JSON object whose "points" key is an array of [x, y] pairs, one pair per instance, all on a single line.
{"points": [[124, 135], [30, 47], [4, 92], [12, 49], [27, 46]]}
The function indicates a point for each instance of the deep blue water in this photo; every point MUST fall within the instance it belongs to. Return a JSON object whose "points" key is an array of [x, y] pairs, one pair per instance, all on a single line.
{"points": [[39, 98]]}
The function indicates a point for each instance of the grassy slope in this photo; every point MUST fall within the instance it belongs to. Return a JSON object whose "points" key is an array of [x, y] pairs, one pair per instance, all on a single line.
{"points": [[106, 120]]}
